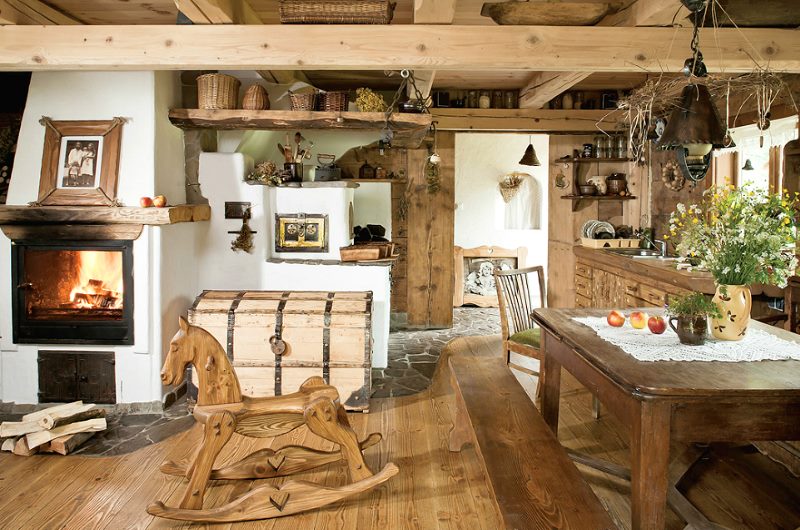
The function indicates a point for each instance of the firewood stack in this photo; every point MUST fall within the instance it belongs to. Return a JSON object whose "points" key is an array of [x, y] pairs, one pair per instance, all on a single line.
{"points": [[60, 429]]}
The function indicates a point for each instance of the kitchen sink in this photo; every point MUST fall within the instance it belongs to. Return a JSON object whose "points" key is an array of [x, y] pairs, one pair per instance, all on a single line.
{"points": [[635, 252]]}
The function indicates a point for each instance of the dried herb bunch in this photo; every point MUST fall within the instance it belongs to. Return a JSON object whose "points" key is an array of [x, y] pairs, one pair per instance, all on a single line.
{"points": [[266, 172], [369, 101]]}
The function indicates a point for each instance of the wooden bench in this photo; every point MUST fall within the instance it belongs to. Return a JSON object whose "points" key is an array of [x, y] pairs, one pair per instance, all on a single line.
{"points": [[535, 483]]}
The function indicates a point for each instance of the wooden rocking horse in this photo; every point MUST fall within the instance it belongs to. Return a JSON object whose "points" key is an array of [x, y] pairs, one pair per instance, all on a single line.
{"points": [[223, 410]]}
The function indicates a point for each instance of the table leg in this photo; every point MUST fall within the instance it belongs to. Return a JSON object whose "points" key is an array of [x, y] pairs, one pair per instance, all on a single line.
{"points": [[551, 371], [650, 466]]}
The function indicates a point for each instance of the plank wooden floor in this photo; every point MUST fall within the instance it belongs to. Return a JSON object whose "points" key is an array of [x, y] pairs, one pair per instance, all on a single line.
{"points": [[434, 489]]}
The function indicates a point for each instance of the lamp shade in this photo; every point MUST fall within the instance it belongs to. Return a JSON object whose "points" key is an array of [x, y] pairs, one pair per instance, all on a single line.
{"points": [[694, 122], [529, 158], [748, 165]]}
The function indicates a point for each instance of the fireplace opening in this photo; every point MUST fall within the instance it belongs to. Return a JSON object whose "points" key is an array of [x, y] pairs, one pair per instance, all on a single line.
{"points": [[73, 292]]}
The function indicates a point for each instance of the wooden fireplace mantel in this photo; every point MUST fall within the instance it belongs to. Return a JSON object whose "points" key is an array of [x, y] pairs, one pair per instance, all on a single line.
{"points": [[99, 215]]}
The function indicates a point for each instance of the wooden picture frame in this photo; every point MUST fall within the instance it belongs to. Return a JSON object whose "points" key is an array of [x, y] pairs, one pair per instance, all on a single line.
{"points": [[464, 257], [69, 179], [301, 232]]}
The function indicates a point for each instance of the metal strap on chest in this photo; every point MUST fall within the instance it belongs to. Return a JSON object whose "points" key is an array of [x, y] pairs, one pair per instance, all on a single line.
{"points": [[278, 336], [326, 340], [232, 322]]}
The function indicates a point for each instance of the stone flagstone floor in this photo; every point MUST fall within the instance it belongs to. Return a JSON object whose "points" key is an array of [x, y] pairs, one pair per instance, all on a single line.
{"points": [[413, 353]]}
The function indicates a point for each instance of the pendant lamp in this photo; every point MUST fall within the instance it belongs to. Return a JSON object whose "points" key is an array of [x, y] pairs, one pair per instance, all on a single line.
{"points": [[529, 158], [748, 165]]}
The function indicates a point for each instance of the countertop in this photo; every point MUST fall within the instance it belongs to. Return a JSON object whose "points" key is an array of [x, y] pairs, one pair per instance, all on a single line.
{"points": [[664, 272]]}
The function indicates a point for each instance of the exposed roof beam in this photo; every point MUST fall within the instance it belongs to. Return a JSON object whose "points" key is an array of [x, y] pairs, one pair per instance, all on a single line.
{"points": [[434, 11], [544, 86], [32, 12], [218, 11], [331, 47]]}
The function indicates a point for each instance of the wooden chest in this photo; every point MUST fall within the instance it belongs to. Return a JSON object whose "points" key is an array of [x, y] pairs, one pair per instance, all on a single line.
{"points": [[327, 334]]}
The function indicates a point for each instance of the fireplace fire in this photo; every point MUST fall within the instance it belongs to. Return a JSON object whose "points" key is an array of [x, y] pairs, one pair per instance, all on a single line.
{"points": [[73, 293]]}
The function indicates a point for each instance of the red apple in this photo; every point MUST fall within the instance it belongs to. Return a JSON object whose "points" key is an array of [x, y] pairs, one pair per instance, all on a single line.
{"points": [[657, 325], [159, 201], [145, 202], [615, 318], [638, 319]]}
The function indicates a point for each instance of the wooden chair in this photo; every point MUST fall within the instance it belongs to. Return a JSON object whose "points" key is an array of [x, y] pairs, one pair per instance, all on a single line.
{"points": [[223, 411], [519, 292]]}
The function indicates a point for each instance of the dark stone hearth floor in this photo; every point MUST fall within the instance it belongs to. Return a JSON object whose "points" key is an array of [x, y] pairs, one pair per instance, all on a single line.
{"points": [[413, 354], [412, 360]]}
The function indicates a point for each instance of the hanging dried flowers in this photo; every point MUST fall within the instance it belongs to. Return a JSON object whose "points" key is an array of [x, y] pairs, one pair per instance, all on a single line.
{"points": [[432, 178], [369, 101], [244, 241], [510, 184]]}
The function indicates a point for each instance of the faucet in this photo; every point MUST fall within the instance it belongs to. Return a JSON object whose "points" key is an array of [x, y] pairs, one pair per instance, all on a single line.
{"points": [[659, 244]]}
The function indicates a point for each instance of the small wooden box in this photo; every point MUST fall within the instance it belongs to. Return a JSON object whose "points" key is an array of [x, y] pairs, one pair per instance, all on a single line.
{"points": [[328, 334], [609, 243]]}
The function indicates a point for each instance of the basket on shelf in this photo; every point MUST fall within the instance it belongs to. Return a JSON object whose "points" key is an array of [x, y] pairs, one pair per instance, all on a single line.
{"points": [[217, 91], [333, 101], [303, 101], [336, 11], [255, 98]]}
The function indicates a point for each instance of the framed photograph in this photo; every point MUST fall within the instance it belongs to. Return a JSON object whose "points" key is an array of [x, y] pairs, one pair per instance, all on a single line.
{"points": [[80, 163], [474, 273], [301, 232]]}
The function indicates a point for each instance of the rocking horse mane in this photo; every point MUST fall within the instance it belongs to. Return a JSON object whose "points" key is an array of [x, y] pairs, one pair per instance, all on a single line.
{"points": [[217, 381]]}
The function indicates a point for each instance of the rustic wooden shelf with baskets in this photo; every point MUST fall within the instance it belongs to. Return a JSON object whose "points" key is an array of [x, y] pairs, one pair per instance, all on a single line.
{"points": [[292, 120]]}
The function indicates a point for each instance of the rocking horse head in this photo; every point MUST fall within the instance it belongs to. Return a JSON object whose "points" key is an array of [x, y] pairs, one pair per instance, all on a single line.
{"points": [[217, 382]]}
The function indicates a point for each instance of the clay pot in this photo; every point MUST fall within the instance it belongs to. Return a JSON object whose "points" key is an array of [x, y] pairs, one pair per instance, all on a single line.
{"points": [[691, 330]]}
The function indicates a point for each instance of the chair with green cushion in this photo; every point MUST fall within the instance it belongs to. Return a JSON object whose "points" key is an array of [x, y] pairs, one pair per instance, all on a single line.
{"points": [[519, 292]]}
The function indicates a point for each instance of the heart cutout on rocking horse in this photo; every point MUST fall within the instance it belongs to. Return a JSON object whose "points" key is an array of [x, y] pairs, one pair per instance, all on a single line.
{"points": [[223, 411]]}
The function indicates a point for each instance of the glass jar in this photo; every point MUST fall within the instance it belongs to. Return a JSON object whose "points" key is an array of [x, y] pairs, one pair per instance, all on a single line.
{"points": [[472, 99], [622, 147], [366, 171], [497, 99], [598, 145], [485, 100], [510, 99]]}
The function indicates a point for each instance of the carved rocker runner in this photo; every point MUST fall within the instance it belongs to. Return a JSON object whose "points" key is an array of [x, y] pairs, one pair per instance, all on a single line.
{"points": [[223, 410]]}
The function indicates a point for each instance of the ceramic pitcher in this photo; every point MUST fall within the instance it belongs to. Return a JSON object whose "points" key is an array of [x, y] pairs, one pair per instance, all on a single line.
{"points": [[734, 303]]}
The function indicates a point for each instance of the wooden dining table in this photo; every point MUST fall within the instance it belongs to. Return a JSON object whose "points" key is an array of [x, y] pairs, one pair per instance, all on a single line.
{"points": [[664, 401]]}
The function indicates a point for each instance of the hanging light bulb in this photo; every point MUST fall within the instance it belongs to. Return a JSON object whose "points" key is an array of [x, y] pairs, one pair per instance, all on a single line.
{"points": [[529, 158]]}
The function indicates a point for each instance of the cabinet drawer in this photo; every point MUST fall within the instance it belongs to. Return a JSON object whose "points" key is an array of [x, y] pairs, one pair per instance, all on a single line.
{"points": [[582, 301], [652, 296], [631, 288], [632, 301], [582, 269], [583, 287]]}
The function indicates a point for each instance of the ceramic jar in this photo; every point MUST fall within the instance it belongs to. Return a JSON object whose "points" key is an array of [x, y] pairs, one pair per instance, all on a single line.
{"points": [[734, 303], [691, 331]]}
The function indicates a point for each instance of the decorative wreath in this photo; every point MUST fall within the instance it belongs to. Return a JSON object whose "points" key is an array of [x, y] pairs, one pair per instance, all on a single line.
{"points": [[672, 176]]}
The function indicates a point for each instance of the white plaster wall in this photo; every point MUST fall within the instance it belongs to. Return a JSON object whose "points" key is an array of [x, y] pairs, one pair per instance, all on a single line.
{"points": [[151, 161], [282, 276], [481, 159]]}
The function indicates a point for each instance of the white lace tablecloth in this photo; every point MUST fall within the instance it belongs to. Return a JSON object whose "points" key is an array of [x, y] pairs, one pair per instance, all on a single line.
{"points": [[757, 345]]}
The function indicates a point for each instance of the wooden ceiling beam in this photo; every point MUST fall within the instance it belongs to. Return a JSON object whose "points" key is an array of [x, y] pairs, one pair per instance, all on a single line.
{"points": [[330, 47], [32, 12], [218, 11], [544, 86], [434, 11]]}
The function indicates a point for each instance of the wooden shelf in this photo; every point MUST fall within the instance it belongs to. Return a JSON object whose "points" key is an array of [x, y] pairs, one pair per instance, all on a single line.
{"points": [[292, 120], [184, 213], [392, 181], [309, 184], [601, 160], [579, 201]]}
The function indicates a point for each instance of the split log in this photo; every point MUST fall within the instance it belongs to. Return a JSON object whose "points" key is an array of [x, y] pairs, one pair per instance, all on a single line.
{"points": [[22, 448], [86, 412], [38, 438], [64, 445], [9, 429], [8, 444], [39, 414]]}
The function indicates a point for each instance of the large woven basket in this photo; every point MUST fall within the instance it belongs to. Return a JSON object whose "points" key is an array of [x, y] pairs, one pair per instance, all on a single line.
{"points": [[333, 101], [336, 11], [303, 101], [217, 91]]}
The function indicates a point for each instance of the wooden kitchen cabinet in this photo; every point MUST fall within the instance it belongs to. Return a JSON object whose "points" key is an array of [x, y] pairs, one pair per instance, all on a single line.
{"points": [[608, 287]]}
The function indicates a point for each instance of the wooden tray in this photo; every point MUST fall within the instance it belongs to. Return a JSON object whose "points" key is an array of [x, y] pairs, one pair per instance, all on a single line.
{"points": [[609, 243]]}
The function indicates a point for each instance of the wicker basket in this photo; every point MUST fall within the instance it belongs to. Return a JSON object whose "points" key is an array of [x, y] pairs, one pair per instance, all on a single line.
{"points": [[334, 101], [255, 98], [336, 11], [303, 101], [217, 91]]}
